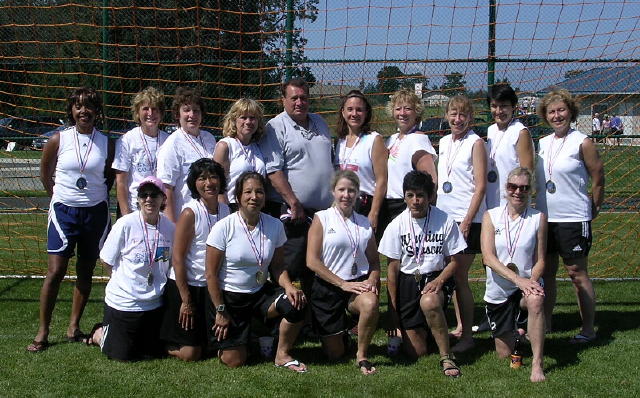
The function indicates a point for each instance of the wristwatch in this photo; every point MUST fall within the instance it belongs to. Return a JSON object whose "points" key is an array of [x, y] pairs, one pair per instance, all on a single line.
{"points": [[220, 308]]}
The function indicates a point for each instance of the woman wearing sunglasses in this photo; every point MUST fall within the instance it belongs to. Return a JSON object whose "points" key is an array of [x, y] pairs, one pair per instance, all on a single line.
{"points": [[514, 241]]}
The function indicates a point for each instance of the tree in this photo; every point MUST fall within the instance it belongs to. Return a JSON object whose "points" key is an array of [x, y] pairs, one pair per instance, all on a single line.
{"points": [[388, 79], [454, 84]]}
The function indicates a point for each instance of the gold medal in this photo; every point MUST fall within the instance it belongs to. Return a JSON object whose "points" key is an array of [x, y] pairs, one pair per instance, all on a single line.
{"points": [[513, 267], [261, 278], [417, 275]]}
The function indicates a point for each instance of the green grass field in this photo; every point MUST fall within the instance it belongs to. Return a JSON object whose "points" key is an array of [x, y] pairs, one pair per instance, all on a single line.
{"points": [[609, 367]]}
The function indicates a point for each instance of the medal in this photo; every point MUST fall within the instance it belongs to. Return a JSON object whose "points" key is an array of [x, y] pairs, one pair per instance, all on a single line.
{"points": [[354, 269], [513, 267], [150, 279], [81, 183], [512, 244], [258, 251], [447, 187], [354, 239], [261, 278], [551, 186], [417, 247], [150, 159], [492, 176], [147, 244], [194, 146], [417, 276]]}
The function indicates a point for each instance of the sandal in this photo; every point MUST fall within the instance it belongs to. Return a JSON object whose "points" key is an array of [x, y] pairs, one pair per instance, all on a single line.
{"points": [[368, 367], [38, 346], [447, 364], [78, 337], [89, 339], [582, 339], [294, 365]]}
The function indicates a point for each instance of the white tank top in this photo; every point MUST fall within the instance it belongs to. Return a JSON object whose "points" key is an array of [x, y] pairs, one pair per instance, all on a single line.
{"points": [[523, 236], [455, 166], [73, 150], [194, 261], [400, 155], [242, 158], [358, 159], [503, 157], [559, 161], [338, 244]]}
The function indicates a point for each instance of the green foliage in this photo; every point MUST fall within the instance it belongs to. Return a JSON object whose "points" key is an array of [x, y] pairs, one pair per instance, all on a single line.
{"points": [[454, 84]]}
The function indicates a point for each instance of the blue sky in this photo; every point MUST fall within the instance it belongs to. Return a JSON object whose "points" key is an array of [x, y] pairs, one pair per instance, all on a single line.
{"points": [[450, 29]]}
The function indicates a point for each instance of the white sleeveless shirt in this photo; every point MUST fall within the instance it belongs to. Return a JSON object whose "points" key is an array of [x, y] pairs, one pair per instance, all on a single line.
{"points": [[455, 166], [338, 244], [194, 261], [523, 236], [400, 156], [358, 159], [242, 158], [74, 149]]}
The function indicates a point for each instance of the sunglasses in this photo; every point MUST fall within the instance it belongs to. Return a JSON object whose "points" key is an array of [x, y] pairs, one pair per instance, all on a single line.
{"points": [[152, 195], [514, 187]]}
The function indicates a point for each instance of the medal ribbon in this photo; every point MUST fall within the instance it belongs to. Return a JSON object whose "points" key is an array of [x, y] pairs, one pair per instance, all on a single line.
{"points": [[450, 160], [395, 147], [512, 244], [552, 156], [207, 216], [355, 242], [152, 160], [344, 159], [81, 162], [258, 253], [193, 144], [248, 155], [147, 243], [417, 247], [494, 148]]}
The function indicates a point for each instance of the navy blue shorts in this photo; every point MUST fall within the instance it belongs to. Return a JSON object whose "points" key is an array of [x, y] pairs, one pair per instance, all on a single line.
{"points": [[86, 227]]}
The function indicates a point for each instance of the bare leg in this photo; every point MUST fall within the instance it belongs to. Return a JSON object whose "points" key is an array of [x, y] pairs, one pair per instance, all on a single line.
{"points": [[81, 293], [57, 268], [550, 288], [287, 337], [464, 299], [585, 293], [457, 332], [414, 342], [233, 357], [186, 353], [535, 330], [431, 306], [366, 305]]}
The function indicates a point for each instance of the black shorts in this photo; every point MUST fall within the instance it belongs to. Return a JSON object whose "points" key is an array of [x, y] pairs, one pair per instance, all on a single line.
{"points": [[242, 307], [171, 332], [363, 204], [329, 306], [473, 239], [132, 336], [295, 248], [408, 298], [569, 239], [505, 318], [389, 210]]}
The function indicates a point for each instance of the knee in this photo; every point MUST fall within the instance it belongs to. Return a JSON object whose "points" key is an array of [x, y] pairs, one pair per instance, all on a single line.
{"points": [[369, 303], [232, 360], [189, 354], [430, 304], [535, 304]]}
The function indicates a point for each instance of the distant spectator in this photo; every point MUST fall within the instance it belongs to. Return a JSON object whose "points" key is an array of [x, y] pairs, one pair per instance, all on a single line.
{"points": [[617, 128]]}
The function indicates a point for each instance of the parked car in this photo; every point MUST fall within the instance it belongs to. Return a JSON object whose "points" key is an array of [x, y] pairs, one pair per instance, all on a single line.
{"points": [[23, 129], [39, 142]]}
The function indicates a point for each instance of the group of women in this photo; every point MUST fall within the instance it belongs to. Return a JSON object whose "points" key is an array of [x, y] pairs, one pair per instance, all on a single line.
{"points": [[226, 257]]}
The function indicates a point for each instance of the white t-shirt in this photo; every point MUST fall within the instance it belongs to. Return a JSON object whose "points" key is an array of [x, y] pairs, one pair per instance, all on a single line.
{"points": [[523, 237], [136, 154], [194, 261], [127, 251], [242, 158], [175, 157], [338, 244], [559, 161], [503, 157], [76, 149], [239, 269], [405, 236], [400, 155], [358, 159], [455, 166]]}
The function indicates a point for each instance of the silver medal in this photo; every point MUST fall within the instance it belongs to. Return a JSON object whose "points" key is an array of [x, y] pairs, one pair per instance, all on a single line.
{"points": [[81, 183], [354, 269], [447, 187], [492, 176], [551, 186]]}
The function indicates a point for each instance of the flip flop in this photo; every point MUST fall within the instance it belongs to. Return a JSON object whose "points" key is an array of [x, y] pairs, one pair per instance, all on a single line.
{"points": [[294, 365], [582, 339], [78, 337], [89, 339], [368, 367], [38, 346]]}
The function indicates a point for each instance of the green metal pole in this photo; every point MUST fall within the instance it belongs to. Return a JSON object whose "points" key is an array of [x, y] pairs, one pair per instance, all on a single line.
{"points": [[105, 57], [491, 58], [289, 36]]}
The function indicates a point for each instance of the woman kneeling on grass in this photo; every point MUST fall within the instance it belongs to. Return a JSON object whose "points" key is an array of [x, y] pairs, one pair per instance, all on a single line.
{"points": [[138, 251], [514, 243], [342, 253], [241, 250], [420, 245]]}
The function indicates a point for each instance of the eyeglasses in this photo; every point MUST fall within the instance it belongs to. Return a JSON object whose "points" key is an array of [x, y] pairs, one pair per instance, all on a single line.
{"points": [[152, 195], [514, 187]]}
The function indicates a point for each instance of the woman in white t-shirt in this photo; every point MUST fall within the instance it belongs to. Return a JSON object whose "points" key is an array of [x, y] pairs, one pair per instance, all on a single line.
{"points": [[567, 160], [342, 254], [509, 143], [137, 150], [462, 170], [184, 326], [243, 250], [514, 243], [362, 151], [409, 149], [75, 172], [186, 145], [238, 151], [138, 252]]}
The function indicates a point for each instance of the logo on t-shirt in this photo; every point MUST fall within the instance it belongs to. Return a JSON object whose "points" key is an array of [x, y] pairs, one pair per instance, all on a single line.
{"points": [[433, 243], [331, 231]]}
